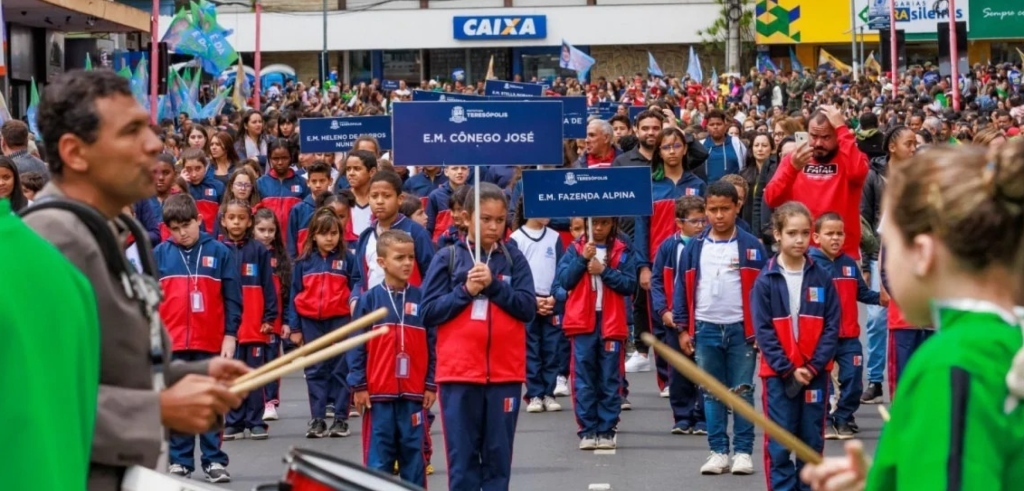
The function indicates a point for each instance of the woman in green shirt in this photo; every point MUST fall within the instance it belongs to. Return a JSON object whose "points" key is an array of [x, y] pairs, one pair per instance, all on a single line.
{"points": [[953, 226]]}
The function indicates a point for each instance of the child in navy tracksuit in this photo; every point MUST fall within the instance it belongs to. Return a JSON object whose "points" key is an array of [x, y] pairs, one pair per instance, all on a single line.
{"points": [[204, 188], [280, 189], [599, 272], [439, 216], [684, 397], [267, 231], [543, 249], [797, 317], [321, 282], [457, 230], [201, 309], [318, 178], [480, 307], [392, 376], [259, 312], [851, 288]]}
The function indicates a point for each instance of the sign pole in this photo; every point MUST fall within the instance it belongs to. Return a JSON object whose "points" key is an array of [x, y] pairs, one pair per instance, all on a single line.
{"points": [[476, 210], [590, 238], [892, 49], [954, 57]]}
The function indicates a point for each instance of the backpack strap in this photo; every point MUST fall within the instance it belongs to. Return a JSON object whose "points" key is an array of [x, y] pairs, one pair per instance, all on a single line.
{"points": [[98, 227]]}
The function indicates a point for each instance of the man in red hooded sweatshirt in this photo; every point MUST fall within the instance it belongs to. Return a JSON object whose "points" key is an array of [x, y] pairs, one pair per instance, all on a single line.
{"points": [[825, 174]]}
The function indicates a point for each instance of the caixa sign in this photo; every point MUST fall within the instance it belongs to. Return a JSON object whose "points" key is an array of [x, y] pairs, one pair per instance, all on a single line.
{"points": [[501, 27]]}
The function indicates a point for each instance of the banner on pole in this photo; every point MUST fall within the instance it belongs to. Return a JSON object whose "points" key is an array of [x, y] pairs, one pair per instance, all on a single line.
{"points": [[328, 135], [477, 133], [601, 192], [428, 96], [574, 112], [512, 89]]}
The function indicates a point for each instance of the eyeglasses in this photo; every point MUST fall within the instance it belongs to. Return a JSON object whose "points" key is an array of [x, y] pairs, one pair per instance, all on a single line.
{"points": [[242, 185], [674, 146], [695, 221]]}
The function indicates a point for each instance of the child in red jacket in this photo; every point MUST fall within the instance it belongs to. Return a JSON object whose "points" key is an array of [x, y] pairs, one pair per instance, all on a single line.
{"points": [[268, 232], [392, 376], [599, 273]]}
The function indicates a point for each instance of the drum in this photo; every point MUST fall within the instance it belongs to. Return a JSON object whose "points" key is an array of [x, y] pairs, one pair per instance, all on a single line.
{"points": [[309, 470], [142, 479]]}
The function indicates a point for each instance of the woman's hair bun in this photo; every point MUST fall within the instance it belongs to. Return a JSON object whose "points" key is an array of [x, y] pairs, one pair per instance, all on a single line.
{"points": [[1009, 174]]}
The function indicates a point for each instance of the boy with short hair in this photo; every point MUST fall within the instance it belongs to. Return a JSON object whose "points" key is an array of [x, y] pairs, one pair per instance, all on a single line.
{"points": [[318, 178], [202, 309], [742, 188], [439, 217], [712, 315], [850, 286], [392, 376], [684, 399]]}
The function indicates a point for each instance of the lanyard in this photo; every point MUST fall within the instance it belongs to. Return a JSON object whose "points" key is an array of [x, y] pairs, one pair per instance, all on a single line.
{"points": [[193, 277], [476, 259], [400, 313]]}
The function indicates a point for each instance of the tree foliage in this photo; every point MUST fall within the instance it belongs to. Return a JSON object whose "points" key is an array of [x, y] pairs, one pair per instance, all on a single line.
{"points": [[716, 35]]}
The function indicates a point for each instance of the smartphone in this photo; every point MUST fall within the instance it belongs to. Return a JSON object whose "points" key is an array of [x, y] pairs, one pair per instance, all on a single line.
{"points": [[801, 137]]}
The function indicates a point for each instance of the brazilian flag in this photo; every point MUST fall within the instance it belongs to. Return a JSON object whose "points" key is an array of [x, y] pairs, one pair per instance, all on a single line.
{"points": [[49, 363]]}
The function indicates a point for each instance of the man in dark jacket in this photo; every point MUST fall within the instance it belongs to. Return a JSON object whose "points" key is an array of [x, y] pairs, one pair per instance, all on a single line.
{"points": [[869, 139]]}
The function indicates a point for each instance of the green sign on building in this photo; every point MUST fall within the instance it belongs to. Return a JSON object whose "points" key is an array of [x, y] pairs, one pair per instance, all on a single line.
{"points": [[996, 19]]}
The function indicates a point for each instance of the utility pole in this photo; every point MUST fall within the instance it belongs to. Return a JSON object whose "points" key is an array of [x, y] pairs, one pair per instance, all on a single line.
{"points": [[734, 12]]}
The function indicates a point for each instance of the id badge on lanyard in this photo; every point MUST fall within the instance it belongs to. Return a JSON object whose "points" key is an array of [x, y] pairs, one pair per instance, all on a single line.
{"points": [[197, 302], [479, 311], [402, 366]]}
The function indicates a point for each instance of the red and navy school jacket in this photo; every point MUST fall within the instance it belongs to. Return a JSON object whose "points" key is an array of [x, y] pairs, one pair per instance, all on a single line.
{"points": [[850, 286], [450, 237], [894, 314], [650, 232], [439, 217], [420, 185], [423, 248], [259, 296], [373, 366], [663, 275], [298, 226], [815, 346], [752, 259], [486, 351], [281, 193], [618, 281], [280, 294], [211, 270], [208, 195], [321, 285]]}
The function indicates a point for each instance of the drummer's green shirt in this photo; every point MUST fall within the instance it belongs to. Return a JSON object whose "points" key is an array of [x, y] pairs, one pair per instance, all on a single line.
{"points": [[951, 427], [49, 363]]}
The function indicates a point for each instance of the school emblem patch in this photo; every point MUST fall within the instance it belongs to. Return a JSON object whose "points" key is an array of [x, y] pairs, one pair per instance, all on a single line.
{"points": [[611, 346], [857, 360], [210, 192], [848, 271], [296, 188], [510, 404], [812, 396], [815, 294], [337, 264], [249, 269], [412, 308], [209, 262], [417, 419], [753, 255], [690, 191]]}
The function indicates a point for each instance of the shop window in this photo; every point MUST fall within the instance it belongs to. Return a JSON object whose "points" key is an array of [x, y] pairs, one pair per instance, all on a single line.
{"points": [[441, 63], [544, 66], [360, 66], [480, 58], [402, 65]]}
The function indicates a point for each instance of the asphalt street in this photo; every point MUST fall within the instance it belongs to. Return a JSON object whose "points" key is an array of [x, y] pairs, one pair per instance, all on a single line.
{"points": [[546, 455]]}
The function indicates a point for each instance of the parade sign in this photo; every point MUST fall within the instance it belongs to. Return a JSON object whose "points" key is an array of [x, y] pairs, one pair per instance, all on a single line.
{"points": [[600, 192], [429, 95], [329, 135], [477, 133], [389, 85], [512, 89], [574, 113]]}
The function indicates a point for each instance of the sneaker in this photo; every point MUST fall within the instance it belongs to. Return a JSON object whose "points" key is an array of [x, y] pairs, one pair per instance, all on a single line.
{"points": [[430, 469], [742, 465], [551, 405], [843, 431], [535, 406], [353, 412], [830, 432], [394, 471], [626, 405], [664, 393], [682, 428], [717, 463], [259, 433], [561, 386], [588, 442], [216, 472], [606, 442], [638, 363], [854, 427], [270, 412], [317, 429], [179, 471], [339, 429], [330, 410], [233, 434], [700, 429], [873, 394]]}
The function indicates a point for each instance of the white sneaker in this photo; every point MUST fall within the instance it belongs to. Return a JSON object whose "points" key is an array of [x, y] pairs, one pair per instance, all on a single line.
{"points": [[742, 465], [561, 386], [638, 363], [717, 463], [605, 443], [664, 393], [588, 443], [551, 405], [535, 406], [270, 412]]}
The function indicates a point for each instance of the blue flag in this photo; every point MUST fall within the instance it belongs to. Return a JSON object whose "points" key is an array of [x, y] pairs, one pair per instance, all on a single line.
{"points": [[765, 63], [693, 68], [574, 59], [652, 66], [794, 63]]}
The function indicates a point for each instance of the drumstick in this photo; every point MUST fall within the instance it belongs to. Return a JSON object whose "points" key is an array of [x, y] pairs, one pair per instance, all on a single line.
{"points": [[690, 370], [320, 342], [322, 355], [884, 412]]}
